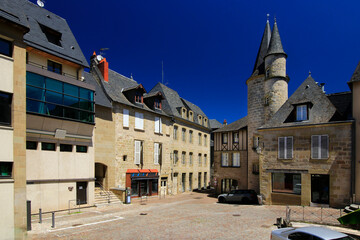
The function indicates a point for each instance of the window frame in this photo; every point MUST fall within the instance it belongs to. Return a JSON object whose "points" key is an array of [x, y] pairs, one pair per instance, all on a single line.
{"points": [[138, 152], [78, 148], [64, 147], [10, 47], [10, 165], [48, 143], [175, 132], [320, 147], [233, 159], [224, 160], [54, 67], [302, 113], [224, 136], [6, 109], [286, 156], [158, 125], [139, 121], [285, 190], [126, 114], [236, 133]]}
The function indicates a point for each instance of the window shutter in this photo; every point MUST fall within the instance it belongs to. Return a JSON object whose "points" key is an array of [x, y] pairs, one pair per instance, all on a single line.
{"points": [[125, 118], [160, 126], [236, 159], [156, 153], [137, 155], [225, 159], [289, 147], [315, 147], [141, 121], [324, 146], [137, 123], [281, 150], [157, 129]]}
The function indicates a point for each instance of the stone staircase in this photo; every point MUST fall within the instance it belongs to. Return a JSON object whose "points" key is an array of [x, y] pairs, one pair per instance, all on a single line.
{"points": [[103, 197], [351, 208]]}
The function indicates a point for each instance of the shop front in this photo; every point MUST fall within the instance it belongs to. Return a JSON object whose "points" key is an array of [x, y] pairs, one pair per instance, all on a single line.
{"points": [[143, 182]]}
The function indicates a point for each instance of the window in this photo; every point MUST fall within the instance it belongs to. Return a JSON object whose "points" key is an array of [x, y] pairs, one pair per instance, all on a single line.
{"points": [[205, 159], [286, 182], [224, 138], [157, 103], [48, 146], [285, 146], [125, 118], [6, 169], [319, 147], [158, 125], [183, 134], [138, 98], [199, 159], [190, 136], [236, 159], [31, 145], [301, 113], [183, 158], [138, 152], [51, 35], [190, 158], [48, 96], [236, 137], [54, 67], [139, 121], [65, 148], [199, 138], [200, 120], [267, 73], [224, 160], [205, 140], [5, 108], [175, 132], [157, 153], [5, 47], [176, 157], [81, 149]]}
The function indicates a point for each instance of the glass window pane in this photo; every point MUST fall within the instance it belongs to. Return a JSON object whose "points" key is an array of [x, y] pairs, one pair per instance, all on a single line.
{"points": [[65, 148], [71, 101], [54, 97], [54, 110], [71, 113], [87, 94], [31, 145], [82, 149], [6, 169], [5, 47], [54, 85], [47, 146], [71, 90], [86, 105], [35, 80], [86, 117], [5, 108], [35, 106], [35, 93]]}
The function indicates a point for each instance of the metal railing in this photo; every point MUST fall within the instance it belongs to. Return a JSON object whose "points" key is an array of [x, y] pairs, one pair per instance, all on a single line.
{"points": [[103, 192], [46, 68]]}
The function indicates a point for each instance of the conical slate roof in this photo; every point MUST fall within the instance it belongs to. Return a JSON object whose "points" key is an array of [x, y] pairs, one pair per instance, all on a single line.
{"points": [[259, 67], [275, 46]]}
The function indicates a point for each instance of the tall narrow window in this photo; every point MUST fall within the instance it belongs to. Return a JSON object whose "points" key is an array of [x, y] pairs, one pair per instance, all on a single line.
{"points": [[199, 159], [190, 158], [183, 158], [301, 113], [183, 134], [138, 152], [158, 125], [224, 138], [236, 159], [125, 118], [236, 137], [319, 146], [175, 132], [157, 103], [176, 157], [5, 108], [157, 153], [139, 121], [285, 147], [190, 136], [205, 140], [224, 160], [205, 159], [199, 138]]}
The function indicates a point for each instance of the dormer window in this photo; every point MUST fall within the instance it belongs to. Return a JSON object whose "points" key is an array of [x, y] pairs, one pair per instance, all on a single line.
{"points": [[52, 36], [138, 98], [301, 112], [157, 103], [200, 119]]}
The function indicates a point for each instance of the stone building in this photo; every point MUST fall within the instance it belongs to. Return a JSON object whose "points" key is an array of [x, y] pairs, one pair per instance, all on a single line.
{"points": [[146, 136]]}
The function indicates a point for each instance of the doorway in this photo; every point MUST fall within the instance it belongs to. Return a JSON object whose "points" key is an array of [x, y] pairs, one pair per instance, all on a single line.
{"points": [[100, 175], [163, 188], [175, 187], [190, 181], [320, 188], [183, 180], [199, 181], [81, 192]]}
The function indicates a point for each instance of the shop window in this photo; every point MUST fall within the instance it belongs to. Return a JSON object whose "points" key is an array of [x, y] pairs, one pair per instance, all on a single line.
{"points": [[224, 159], [154, 186], [5, 108], [286, 183], [236, 159], [6, 47], [31, 145], [66, 148], [52, 35], [48, 146], [81, 149], [54, 67], [6, 169], [139, 121], [285, 147], [301, 113], [158, 125], [319, 146], [134, 188]]}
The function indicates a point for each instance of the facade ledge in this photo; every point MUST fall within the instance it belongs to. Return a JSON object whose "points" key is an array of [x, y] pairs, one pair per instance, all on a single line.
{"points": [[10, 180], [7, 58], [4, 127], [139, 130]]}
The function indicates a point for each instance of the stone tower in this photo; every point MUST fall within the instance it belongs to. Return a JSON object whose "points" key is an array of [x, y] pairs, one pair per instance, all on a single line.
{"points": [[267, 91]]}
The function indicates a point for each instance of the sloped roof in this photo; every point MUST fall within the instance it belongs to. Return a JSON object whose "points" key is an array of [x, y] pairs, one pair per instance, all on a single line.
{"points": [[343, 104], [322, 109], [69, 49], [11, 10], [275, 46], [259, 67], [100, 96], [215, 124], [356, 75], [238, 124]]}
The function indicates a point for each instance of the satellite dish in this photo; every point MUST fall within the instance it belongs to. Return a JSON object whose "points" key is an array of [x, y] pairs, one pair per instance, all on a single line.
{"points": [[40, 3], [99, 57]]}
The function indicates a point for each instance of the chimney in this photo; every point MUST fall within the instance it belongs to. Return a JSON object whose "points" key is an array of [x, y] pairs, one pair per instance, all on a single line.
{"points": [[104, 69], [225, 122]]}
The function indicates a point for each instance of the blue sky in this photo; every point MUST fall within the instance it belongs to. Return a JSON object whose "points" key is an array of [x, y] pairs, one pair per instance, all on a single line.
{"points": [[209, 46]]}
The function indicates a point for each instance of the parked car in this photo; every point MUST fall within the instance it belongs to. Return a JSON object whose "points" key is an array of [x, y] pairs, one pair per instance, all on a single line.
{"points": [[243, 196], [308, 233]]}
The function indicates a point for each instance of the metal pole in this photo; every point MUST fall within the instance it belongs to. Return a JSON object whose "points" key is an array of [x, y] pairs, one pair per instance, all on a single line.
{"points": [[40, 216], [53, 219], [303, 213]]}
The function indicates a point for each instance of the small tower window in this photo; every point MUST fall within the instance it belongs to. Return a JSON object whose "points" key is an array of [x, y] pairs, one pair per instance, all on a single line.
{"points": [[267, 100], [157, 103], [138, 97], [267, 73]]}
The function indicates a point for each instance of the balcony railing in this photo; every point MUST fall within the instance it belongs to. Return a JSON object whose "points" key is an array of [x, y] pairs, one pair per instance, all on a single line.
{"points": [[46, 68]]}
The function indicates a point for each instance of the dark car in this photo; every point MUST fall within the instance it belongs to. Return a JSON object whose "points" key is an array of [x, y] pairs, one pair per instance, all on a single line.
{"points": [[241, 196]]}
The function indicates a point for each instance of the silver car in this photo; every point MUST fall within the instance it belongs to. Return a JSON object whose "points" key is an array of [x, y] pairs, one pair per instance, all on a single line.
{"points": [[308, 233], [243, 196]]}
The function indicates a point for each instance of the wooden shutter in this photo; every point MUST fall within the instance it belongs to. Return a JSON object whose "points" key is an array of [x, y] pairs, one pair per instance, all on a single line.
{"points": [[157, 125], [236, 159], [224, 159], [281, 148], [315, 147], [137, 154], [139, 120], [289, 147], [156, 153], [125, 118], [324, 151], [160, 126]]}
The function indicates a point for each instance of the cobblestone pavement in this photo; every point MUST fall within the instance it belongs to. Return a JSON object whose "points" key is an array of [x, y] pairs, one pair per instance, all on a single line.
{"points": [[184, 216]]}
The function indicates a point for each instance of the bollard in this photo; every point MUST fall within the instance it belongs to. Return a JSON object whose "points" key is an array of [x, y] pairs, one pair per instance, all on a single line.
{"points": [[53, 219], [40, 216]]}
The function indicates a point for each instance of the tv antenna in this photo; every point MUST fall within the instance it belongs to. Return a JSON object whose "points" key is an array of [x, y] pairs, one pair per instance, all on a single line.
{"points": [[41, 3]]}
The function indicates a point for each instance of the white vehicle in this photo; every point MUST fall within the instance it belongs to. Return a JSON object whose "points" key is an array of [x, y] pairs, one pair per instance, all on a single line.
{"points": [[308, 233]]}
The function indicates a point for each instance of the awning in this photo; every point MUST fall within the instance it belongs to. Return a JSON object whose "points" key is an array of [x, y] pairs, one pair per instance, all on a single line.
{"points": [[142, 171], [142, 174]]}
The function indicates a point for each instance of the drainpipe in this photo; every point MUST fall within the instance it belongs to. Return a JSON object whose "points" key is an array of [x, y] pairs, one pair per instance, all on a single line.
{"points": [[353, 161]]}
